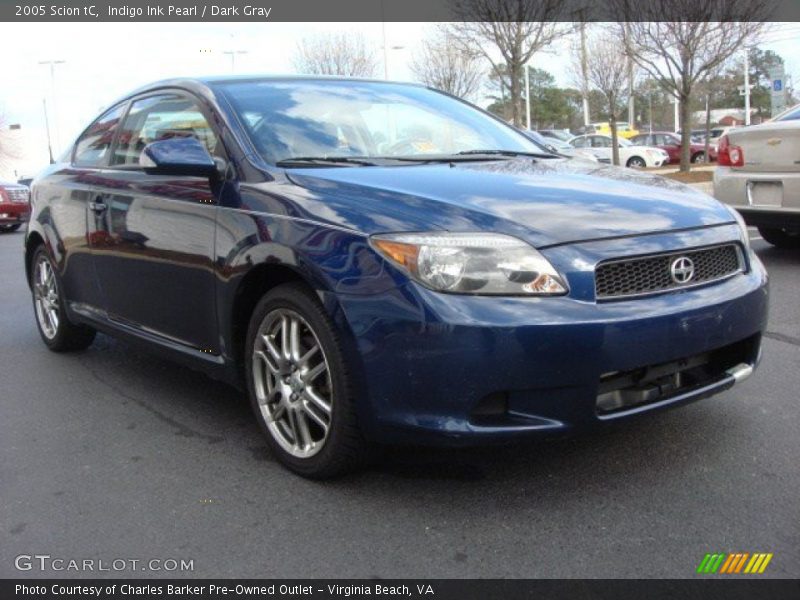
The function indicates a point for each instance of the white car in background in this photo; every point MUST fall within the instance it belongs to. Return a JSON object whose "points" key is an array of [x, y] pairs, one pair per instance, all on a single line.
{"points": [[758, 173], [558, 146], [630, 155]]}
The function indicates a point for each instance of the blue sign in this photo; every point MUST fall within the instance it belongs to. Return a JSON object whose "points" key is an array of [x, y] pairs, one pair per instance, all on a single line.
{"points": [[777, 85]]}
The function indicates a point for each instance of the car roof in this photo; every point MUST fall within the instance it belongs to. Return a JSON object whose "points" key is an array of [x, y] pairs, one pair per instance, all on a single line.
{"points": [[203, 86], [210, 80]]}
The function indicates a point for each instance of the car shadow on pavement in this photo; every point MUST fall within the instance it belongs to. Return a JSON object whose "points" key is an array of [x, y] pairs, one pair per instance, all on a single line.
{"points": [[658, 445]]}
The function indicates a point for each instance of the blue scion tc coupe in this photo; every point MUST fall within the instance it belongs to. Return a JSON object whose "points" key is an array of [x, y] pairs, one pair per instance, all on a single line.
{"points": [[383, 263]]}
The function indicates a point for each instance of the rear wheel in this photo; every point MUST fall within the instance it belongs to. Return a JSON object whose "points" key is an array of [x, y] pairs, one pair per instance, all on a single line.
{"points": [[299, 385], [780, 238], [636, 162], [9, 228], [57, 331], [699, 157]]}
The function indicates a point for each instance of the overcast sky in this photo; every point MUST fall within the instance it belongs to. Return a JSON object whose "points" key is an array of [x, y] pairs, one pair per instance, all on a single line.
{"points": [[106, 60]]}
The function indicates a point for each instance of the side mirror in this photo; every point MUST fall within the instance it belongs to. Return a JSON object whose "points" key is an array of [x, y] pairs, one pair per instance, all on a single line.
{"points": [[185, 156]]}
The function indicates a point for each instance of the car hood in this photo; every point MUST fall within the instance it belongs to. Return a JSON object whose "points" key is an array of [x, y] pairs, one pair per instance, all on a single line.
{"points": [[545, 201]]}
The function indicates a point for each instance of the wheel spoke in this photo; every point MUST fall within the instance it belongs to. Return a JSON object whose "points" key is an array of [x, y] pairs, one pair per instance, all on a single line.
{"points": [[265, 359], [316, 372], [302, 428], [291, 417], [309, 355], [294, 340], [272, 348], [317, 419], [285, 352], [317, 400], [279, 412]]}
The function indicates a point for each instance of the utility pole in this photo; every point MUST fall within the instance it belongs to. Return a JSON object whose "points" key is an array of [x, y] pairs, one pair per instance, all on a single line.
{"points": [[585, 75], [47, 129], [631, 108], [747, 86], [528, 96], [52, 63]]}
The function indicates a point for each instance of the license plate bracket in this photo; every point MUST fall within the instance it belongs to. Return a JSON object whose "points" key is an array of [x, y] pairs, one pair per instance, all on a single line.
{"points": [[765, 193]]}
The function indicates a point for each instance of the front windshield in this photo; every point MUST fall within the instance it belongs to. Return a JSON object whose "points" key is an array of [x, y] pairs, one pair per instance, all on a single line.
{"points": [[317, 118]]}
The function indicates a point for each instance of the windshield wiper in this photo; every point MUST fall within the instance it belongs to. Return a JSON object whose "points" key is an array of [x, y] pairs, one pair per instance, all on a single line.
{"points": [[328, 161], [511, 153]]}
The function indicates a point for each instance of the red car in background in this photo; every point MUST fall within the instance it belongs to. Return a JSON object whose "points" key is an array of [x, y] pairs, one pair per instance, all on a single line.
{"points": [[15, 206], [671, 144]]}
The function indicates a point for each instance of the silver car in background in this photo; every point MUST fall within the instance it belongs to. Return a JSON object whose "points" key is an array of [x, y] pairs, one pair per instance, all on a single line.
{"points": [[758, 173]]}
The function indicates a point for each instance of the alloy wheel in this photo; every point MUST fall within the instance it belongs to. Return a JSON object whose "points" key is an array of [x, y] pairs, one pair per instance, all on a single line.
{"points": [[292, 383], [45, 293]]}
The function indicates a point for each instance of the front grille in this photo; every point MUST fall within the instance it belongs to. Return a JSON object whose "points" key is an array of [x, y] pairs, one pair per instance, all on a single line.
{"points": [[652, 274], [17, 194]]}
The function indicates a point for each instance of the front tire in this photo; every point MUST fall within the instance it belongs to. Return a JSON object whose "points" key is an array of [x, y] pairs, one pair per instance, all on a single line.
{"points": [[636, 162], [780, 238], [58, 332], [299, 385], [9, 228]]}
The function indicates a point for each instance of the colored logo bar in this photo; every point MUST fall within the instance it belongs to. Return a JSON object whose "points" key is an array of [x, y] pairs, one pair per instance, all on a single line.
{"points": [[734, 563]]}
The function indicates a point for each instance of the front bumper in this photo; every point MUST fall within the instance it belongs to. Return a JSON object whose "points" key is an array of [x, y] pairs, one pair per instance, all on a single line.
{"points": [[14, 212], [437, 367]]}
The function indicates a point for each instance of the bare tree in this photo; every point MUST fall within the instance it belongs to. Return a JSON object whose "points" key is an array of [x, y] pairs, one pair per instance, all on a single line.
{"points": [[343, 54], [447, 66], [516, 29], [608, 73], [679, 54]]}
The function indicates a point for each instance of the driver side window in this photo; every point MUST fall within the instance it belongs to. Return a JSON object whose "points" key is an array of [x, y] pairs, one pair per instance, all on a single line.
{"points": [[159, 118]]}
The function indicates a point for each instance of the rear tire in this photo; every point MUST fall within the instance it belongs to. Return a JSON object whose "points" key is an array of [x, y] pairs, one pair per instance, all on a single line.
{"points": [[299, 385], [780, 238], [699, 157], [58, 333]]}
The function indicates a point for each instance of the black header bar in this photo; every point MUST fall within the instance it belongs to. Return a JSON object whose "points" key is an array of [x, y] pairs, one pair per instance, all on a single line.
{"points": [[384, 10]]}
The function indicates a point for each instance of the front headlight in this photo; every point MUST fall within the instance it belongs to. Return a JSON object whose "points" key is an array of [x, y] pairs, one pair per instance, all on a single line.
{"points": [[471, 263]]}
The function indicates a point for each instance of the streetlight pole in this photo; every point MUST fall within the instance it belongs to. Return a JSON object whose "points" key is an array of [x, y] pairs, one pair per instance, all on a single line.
{"points": [[52, 63], [386, 49], [47, 129], [233, 54]]}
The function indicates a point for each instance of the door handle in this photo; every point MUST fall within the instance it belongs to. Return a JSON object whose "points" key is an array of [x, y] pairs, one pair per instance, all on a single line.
{"points": [[98, 205]]}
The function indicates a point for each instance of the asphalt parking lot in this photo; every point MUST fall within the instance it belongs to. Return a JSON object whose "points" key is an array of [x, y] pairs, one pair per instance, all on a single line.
{"points": [[113, 453]]}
